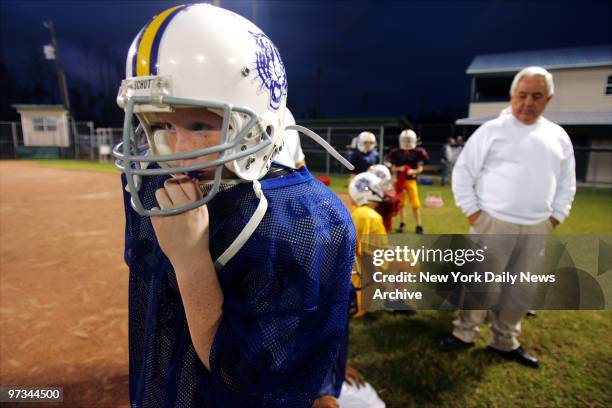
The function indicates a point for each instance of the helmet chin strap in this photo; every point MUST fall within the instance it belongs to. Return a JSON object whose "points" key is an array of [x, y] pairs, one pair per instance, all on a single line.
{"points": [[248, 229], [323, 143]]}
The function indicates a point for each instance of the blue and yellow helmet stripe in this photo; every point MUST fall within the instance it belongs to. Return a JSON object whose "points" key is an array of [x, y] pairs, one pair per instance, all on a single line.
{"points": [[145, 61]]}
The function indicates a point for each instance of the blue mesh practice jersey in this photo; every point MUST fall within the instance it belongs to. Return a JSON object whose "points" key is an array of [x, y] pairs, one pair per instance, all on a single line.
{"points": [[283, 335], [362, 161]]}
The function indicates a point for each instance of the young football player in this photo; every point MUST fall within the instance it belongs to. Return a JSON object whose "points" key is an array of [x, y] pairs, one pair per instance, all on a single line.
{"points": [[390, 205], [365, 155], [239, 269], [366, 192], [407, 163]]}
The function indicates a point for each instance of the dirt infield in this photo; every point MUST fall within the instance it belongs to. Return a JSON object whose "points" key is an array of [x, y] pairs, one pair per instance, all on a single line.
{"points": [[63, 283]]}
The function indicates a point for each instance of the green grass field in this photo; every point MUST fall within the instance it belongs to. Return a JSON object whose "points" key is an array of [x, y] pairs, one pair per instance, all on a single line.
{"points": [[398, 355], [78, 165], [591, 211]]}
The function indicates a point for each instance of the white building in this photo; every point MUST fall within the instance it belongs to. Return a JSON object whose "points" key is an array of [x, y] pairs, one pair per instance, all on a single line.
{"points": [[44, 125], [582, 102]]}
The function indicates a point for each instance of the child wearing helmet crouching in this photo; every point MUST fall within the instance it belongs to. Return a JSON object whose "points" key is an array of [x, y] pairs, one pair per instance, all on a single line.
{"points": [[367, 191], [389, 207]]}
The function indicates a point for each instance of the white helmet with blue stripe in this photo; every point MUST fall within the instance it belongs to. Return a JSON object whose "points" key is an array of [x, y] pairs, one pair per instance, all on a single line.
{"points": [[203, 56]]}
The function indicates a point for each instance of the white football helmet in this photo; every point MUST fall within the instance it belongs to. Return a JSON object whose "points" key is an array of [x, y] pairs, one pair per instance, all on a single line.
{"points": [[366, 187], [291, 143], [199, 55], [362, 139], [203, 56], [384, 174], [408, 139]]}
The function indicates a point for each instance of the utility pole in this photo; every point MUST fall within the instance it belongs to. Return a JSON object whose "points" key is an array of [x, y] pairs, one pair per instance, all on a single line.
{"points": [[318, 92], [61, 78]]}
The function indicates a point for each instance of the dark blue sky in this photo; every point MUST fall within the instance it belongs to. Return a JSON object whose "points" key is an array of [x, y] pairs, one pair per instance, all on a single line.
{"points": [[409, 57]]}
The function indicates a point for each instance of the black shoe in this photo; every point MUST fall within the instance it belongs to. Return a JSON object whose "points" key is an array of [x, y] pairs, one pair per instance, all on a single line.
{"points": [[452, 343], [419, 229], [519, 355], [401, 228], [531, 313], [397, 306]]}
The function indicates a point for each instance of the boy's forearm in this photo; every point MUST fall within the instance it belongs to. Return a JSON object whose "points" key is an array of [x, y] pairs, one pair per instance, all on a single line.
{"points": [[203, 300]]}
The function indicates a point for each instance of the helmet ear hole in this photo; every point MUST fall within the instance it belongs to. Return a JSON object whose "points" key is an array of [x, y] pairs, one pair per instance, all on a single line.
{"points": [[269, 130]]}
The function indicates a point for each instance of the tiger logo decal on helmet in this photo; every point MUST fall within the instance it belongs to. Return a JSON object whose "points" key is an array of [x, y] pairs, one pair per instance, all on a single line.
{"points": [[270, 69]]}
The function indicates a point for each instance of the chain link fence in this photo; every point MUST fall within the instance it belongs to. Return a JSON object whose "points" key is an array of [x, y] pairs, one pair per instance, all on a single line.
{"points": [[89, 143], [11, 136], [341, 137], [82, 146]]}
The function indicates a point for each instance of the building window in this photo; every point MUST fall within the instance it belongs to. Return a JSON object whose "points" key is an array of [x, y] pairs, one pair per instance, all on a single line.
{"points": [[44, 124], [609, 85], [51, 124], [491, 89]]}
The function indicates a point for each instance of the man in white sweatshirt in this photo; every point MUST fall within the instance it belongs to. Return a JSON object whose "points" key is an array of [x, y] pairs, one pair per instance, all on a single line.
{"points": [[515, 177]]}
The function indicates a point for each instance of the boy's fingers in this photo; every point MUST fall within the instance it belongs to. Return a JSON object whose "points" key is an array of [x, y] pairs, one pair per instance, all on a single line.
{"points": [[189, 189], [176, 191], [196, 186], [187, 185], [163, 199]]}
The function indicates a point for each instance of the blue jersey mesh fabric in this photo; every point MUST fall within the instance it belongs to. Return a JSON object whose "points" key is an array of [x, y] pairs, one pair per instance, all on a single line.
{"points": [[283, 336]]}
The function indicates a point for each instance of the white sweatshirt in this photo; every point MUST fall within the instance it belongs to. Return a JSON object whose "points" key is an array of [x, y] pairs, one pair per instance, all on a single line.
{"points": [[515, 172]]}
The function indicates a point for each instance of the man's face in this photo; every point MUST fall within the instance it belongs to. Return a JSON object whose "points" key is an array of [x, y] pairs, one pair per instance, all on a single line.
{"points": [[529, 99], [187, 130]]}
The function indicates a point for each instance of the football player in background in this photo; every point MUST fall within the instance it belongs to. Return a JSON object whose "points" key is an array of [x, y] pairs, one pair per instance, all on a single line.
{"points": [[366, 192], [407, 163], [389, 207], [365, 155]]}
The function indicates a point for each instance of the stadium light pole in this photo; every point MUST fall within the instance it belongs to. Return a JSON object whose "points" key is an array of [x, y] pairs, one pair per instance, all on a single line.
{"points": [[61, 78]]}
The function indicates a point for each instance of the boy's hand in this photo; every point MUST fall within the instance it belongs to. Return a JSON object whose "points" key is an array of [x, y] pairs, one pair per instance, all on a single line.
{"points": [[353, 377], [182, 237]]}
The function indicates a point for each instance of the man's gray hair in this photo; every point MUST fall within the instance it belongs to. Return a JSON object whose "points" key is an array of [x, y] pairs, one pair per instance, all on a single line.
{"points": [[534, 71]]}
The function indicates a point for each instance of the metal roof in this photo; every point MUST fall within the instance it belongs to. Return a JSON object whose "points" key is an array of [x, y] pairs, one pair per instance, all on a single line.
{"points": [[560, 118], [562, 58]]}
